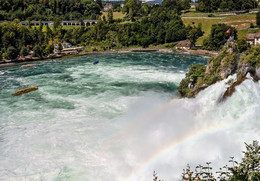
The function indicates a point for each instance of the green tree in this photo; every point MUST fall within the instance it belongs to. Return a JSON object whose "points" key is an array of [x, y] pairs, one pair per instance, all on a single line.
{"points": [[110, 16], [131, 14], [218, 36], [48, 49], [184, 88], [185, 4], [104, 18], [224, 5], [201, 7], [145, 41], [37, 51], [57, 23], [193, 36], [230, 5], [49, 34], [59, 47], [9, 39], [175, 29], [170, 5], [24, 51], [99, 2], [242, 45], [135, 5], [11, 53], [251, 160], [248, 169], [258, 18], [200, 32]]}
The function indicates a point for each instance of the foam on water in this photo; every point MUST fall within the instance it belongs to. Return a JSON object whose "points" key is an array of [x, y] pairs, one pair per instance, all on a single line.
{"points": [[117, 119]]}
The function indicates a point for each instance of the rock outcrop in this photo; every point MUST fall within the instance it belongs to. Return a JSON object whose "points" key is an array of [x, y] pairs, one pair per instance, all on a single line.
{"points": [[228, 62], [246, 68], [231, 89]]}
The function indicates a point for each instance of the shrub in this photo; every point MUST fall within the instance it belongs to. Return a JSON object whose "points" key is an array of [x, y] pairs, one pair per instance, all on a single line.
{"points": [[11, 53], [242, 45], [183, 88], [37, 51], [171, 45], [59, 47], [252, 25], [48, 49], [194, 48], [258, 18], [24, 51]]}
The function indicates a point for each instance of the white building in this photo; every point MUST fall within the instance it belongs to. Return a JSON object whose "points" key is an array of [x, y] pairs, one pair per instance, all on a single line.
{"points": [[257, 39], [253, 38], [67, 49]]}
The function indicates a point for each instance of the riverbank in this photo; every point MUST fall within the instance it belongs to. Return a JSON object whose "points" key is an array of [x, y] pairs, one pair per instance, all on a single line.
{"points": [[131, 50]]}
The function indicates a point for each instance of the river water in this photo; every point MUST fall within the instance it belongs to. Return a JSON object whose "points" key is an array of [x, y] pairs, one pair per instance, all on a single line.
{"points": [[118, 120]]}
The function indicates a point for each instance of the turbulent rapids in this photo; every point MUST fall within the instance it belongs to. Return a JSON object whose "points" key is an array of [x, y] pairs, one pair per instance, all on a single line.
{"points": [[118, 120]]}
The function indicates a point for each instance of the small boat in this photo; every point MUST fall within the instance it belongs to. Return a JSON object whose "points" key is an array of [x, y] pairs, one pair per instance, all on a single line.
{"points": [[96, 62], [25, 90]]}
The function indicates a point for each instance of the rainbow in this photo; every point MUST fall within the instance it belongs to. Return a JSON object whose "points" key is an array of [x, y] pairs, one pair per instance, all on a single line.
{"points": [[175, 144], [166, 149]]}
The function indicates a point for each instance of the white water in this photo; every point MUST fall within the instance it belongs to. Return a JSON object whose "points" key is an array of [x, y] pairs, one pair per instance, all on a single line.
{"points": [[222, 129], [115, 133]]}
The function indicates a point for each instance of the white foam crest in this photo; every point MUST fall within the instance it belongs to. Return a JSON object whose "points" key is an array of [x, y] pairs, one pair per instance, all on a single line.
{"points": [[128, 73]]}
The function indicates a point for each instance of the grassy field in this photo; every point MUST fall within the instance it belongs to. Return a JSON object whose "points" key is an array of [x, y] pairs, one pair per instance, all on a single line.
{"points": [[206, 25], [242, 33], [116, 15], [240, 22]]}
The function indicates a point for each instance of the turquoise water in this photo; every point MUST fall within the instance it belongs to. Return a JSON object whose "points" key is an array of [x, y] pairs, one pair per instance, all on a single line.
{"points": [[119, 119], [63, 82]]}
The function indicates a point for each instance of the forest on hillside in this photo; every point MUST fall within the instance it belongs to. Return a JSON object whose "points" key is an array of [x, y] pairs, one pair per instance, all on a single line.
{"points": [[49, 9]]}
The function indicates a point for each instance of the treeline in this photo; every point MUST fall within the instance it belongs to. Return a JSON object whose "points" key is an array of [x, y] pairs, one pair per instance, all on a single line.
{"points": [[158, 29], [225, 5], [49, 9]]}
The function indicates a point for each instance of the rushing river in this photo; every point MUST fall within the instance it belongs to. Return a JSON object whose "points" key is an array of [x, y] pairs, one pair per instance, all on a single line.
{"points": [[118, 120]]}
